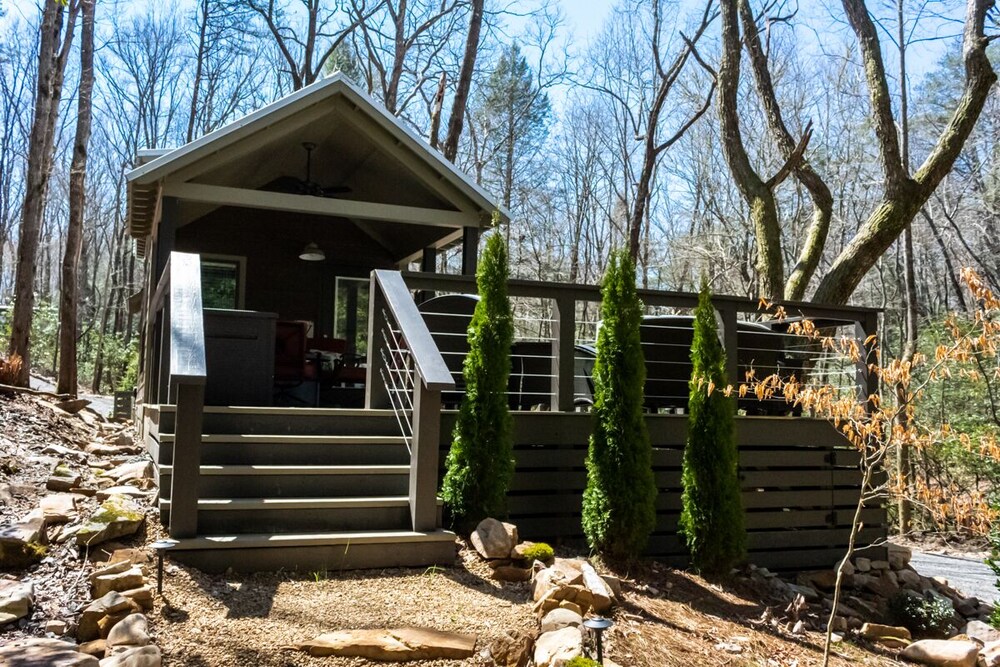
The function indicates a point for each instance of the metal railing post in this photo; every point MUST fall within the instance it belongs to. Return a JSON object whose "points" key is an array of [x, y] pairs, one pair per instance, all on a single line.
{"points": [[564, 355]]}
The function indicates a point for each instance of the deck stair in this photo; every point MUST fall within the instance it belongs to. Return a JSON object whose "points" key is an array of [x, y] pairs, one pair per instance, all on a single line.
{"points": [[297, 488]]}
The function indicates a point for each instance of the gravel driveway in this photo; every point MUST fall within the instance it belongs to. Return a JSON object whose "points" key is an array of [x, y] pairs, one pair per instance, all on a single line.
{"points": [[972, 577]]}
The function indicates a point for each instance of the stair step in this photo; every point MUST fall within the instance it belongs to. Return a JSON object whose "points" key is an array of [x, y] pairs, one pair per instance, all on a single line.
{"points": [[270, 449], [278, 481], [296, 515], [316, 551], [275, 420]]}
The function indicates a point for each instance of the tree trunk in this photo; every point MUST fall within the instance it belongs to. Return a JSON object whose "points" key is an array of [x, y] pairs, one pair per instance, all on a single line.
{"points": [[69, 293], [436, 111], [456, 120], [54, 46]]}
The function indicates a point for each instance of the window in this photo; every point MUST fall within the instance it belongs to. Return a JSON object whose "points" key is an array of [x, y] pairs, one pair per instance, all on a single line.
{"points": [[351, 314], [222, 282]]}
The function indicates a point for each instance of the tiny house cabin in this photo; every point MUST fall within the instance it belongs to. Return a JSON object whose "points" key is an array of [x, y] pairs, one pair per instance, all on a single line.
{"points": [[298, 382]]}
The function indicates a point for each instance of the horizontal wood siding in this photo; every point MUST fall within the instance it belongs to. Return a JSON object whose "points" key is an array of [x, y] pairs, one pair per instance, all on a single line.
{"points": [[799, 477]]}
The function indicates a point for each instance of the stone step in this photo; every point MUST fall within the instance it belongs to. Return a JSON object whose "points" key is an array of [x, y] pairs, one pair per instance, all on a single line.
{"points": [[316, 552], [282, 481], [294, 450], [296, 515]]}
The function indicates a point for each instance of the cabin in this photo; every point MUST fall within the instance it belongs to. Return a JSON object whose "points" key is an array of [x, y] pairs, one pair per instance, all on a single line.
{"points": [[301, 356]]}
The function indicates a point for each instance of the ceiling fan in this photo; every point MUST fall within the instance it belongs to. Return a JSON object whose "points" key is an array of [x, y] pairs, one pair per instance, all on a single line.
{"points": [[305, 186]]}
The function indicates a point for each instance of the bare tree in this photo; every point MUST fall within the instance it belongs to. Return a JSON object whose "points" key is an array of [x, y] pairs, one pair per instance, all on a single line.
{"points": [[456, 120], [56, 38], [69, 292]]}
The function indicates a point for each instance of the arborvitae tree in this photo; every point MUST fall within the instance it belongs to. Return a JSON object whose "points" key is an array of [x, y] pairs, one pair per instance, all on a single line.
{"points": [[480, 464], [619, 504], [712, 510]]}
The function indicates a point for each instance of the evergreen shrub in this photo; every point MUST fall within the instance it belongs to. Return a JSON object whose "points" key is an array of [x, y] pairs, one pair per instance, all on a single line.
{"points": [[480, 464], [712, 511], [619, 503]]}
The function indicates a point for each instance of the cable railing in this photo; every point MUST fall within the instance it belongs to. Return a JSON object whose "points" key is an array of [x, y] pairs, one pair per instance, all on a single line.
{"points": [[555, 332]]}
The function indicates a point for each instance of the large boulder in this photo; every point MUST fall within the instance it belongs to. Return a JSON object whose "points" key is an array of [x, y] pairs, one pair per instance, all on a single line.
{"points": [[556, 648], [494, 539], [130, 631], [117, 517], [59, 508], [118, 577], [990, 655], [16, 600], [102, 613], [899, 556], [399, 645], [943, 653], [560, 618], [599, 589]]}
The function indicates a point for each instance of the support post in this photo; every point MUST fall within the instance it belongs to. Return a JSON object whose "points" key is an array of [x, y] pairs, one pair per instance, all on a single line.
{"points": [[163, 364], [730, 342], [867, 382], [428, 264], [564, 355], [184, 482], [376, 393], [424, 456], [470, 250]]}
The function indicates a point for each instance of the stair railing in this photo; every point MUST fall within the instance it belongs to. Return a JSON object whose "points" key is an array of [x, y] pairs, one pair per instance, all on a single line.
{"points": [[407, 373], [179, 378]]}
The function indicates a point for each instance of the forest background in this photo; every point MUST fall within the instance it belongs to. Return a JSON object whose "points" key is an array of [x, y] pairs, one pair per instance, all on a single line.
{"points": [[597, 124]]}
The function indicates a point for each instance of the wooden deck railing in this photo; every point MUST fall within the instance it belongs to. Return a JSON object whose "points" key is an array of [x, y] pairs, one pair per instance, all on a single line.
{"points": [[407, 373], [566, 301], [176, 374]]}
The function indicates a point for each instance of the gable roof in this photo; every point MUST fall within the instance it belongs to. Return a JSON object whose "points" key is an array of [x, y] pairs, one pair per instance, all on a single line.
{"points": [[155, 166]]}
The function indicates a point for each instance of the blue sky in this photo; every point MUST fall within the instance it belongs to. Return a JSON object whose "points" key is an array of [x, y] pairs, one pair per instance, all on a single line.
{"points": [[585, 17]]}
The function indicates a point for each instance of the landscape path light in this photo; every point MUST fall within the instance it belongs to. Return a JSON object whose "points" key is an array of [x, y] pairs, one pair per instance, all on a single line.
{"points": [[598, 625], [160, 547]]}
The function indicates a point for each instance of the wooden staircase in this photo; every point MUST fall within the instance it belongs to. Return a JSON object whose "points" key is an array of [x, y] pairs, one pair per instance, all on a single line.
{"points": [[297, 489]]}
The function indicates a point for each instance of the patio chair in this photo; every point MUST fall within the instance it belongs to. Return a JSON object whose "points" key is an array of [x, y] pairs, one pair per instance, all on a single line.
{"points": [[295, 375]]}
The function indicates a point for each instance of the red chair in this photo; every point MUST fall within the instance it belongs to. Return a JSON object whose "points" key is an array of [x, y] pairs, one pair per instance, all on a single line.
{"points": [[292, 367]]}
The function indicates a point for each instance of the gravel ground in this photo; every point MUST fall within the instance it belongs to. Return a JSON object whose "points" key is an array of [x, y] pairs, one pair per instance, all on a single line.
{"points": [[237, 620], [971, 576]]}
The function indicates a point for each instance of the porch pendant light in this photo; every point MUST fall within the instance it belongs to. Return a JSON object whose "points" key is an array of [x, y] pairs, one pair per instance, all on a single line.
{"points": [[312, 253]]}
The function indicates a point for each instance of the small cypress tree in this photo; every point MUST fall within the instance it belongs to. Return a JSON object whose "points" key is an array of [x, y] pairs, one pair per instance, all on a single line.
{"points": [[480, 464], [712, 509], [619, 504]]}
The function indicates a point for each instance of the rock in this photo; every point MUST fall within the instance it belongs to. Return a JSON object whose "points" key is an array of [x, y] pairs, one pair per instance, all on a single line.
{"points": [[563, 573], [133, 556], [554, 649], [806, 592], [880, 565], [511, 573], [139, 472], [65, 453], [62, 478], [602, 595], [513, 650], [942, 653], [142, 596], [133, 630], [112, 604], [967, 607], [571, 606], [847, 566], [909, 579], [983, 633], [55, 627], [140, 656], [44, 653], [990, 655], [863, 564], [16, 600], [117, 517], [59, 508], [614, 583], [126, 580], [72, 405], [96, 647], [397, 645], [23, 543], [839, 624], [899, 556], [560, 618], [494, 539], [127, 491], [888, 635], [823, 579]]}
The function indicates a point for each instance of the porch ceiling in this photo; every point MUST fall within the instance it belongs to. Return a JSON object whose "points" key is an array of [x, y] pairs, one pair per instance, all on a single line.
{"points": [[390, 175]]}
